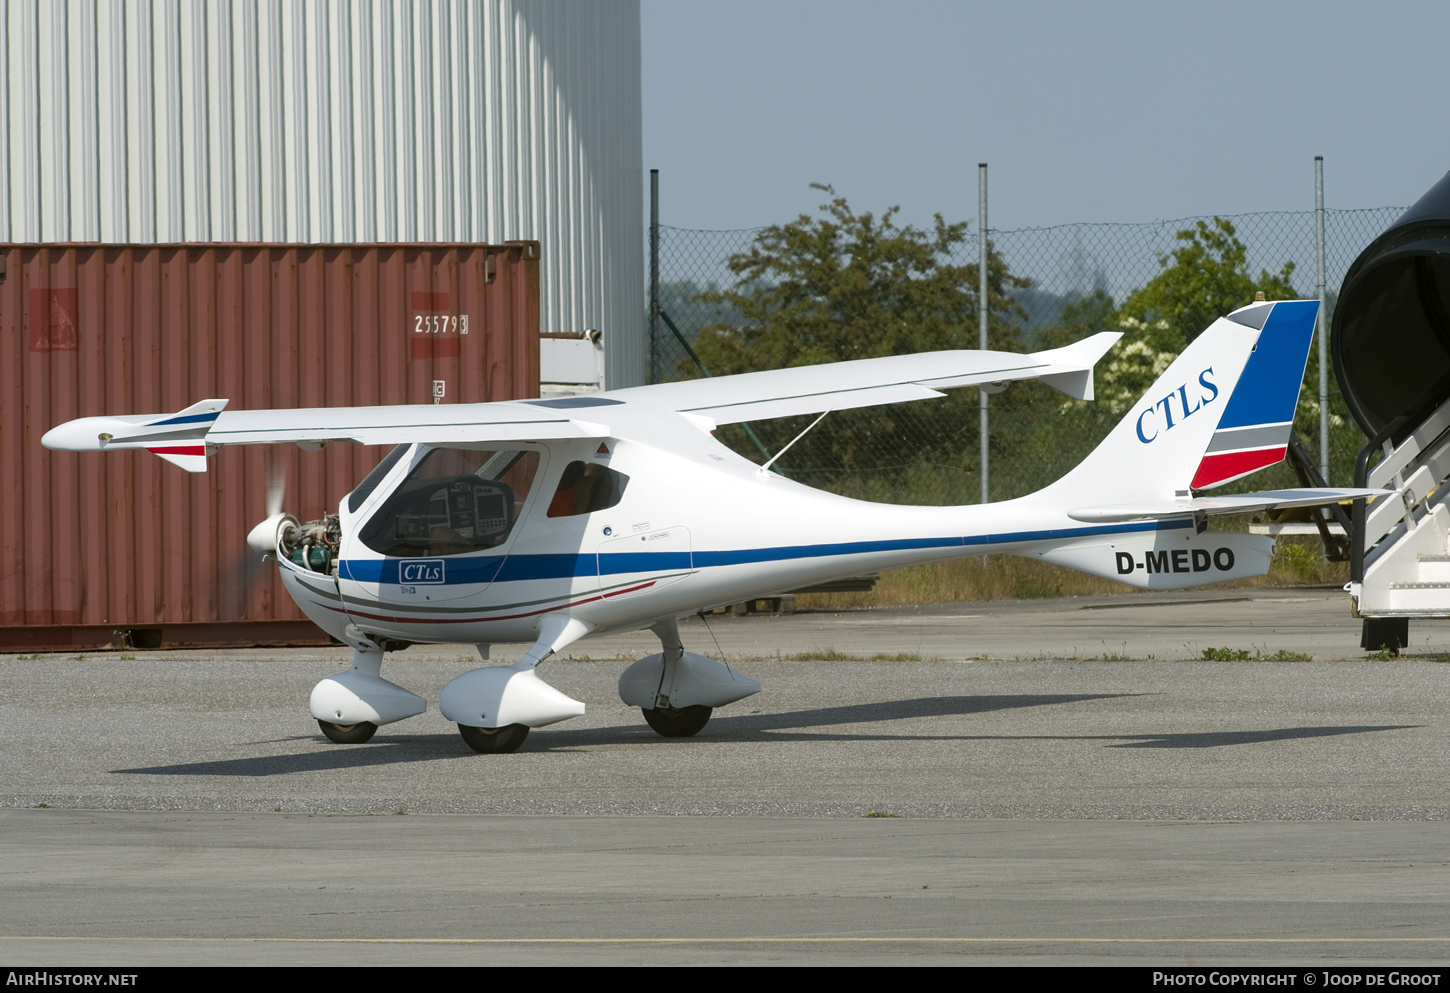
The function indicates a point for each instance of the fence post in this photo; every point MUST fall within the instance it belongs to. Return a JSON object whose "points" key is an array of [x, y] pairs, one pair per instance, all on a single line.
{"points": [[654, 275], [982, 306], [1323, 320]]}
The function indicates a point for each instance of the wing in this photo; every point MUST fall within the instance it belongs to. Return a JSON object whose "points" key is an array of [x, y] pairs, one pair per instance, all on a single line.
{"points": [[187, 437], [1245, 503], [866, 382]]}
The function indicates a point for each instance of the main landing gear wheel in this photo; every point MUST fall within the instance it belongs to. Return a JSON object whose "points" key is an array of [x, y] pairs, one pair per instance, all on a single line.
{"points": [[494, 741], [349, 734], [678, 722]]}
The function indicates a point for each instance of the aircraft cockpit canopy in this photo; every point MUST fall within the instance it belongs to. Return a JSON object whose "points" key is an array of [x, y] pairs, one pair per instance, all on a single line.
{"points": [[454, 501]]}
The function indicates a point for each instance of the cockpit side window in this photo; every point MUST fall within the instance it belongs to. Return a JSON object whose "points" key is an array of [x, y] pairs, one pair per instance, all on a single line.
{"points": [[454, 501], [586, 487]]}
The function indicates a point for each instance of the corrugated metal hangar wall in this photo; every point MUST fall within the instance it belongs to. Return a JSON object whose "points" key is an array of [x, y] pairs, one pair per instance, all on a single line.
{"points": [[337, 121]]}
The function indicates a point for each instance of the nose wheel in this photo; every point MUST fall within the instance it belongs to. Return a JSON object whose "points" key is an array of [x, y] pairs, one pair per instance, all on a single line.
{"points": [[348, 734], [494, 741], [678, 722]]}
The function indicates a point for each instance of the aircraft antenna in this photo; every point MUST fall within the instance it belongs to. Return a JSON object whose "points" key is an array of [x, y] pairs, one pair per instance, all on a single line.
{"points": [[720, 651]]}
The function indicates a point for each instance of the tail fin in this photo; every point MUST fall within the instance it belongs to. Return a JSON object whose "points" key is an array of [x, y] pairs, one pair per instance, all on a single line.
{"points": [[1253, 432], [1223, 409]]}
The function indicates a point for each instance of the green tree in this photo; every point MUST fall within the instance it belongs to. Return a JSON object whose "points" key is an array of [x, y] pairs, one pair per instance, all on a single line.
{"points": [[851, 286], [1202, 279], [683, 301], [841, 286]]}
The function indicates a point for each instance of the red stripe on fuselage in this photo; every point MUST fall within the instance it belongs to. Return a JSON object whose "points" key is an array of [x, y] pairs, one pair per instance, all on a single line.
{"points": [[179, 450], [1230, 465]]}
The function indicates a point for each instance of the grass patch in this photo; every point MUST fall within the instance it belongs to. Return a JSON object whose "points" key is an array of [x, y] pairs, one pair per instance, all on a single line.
{"points": [[1284, 655], [827, 654], [1243, 655], [1077, 656], [819, 655]]}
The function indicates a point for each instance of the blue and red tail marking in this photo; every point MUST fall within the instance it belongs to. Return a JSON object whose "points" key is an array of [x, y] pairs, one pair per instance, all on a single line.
{"points": [[1253, 432]]}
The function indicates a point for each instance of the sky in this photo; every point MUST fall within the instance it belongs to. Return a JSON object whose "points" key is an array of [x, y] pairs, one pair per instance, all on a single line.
{"points": [[1103, 111]]}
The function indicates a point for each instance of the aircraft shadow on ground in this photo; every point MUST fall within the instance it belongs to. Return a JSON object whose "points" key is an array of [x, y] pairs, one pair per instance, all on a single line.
{"points": [[791, 725], [327, 757], [387, 749], [1218, 739]]}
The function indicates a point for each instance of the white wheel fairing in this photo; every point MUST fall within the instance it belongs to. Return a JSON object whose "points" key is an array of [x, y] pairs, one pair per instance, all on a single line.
{"points": [[497, 696], [355, 697], [699, 682]]}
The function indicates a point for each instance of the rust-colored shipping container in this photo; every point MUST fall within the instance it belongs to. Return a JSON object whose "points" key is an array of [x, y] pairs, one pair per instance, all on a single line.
{"points": [[97, 549]]}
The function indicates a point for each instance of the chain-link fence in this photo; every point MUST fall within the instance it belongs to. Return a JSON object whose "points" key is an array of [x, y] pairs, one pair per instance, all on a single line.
{"points": [[928, 452]]}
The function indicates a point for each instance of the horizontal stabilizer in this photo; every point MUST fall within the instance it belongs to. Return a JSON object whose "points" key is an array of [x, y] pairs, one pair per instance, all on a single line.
{"points": [[1246, 503]]}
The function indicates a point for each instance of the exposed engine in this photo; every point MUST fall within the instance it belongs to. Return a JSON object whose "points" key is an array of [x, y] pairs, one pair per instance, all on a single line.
{"points": [[313, 545]]}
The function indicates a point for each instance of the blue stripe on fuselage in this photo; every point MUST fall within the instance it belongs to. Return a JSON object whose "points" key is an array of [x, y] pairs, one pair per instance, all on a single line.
{"points": [[461, 570], [458, 570]]}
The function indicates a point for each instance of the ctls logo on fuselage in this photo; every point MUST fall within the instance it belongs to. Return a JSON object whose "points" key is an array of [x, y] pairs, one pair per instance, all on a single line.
{"points": [[420, 571], [1163, 416]]}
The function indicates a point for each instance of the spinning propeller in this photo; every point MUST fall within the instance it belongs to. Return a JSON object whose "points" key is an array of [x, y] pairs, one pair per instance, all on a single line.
{"points": [[250, 566], [263, 538]]}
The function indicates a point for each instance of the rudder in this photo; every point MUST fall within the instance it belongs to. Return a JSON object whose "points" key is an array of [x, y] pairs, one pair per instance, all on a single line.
{"points": [[1253, 432]]}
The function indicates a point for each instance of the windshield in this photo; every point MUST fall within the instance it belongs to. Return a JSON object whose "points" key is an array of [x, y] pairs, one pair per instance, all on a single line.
{"points": [[454, 501], [371, 480]]}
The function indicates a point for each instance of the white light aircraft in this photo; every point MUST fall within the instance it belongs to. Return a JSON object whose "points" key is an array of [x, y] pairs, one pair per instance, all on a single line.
{"points": [[545, 520]]}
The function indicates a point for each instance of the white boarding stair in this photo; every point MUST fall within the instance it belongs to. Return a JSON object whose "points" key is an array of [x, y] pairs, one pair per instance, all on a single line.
{"points": [[1400, 556]]}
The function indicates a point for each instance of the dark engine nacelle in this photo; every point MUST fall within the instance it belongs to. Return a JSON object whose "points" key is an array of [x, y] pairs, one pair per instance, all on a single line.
{"points": [[1391, 332]]}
